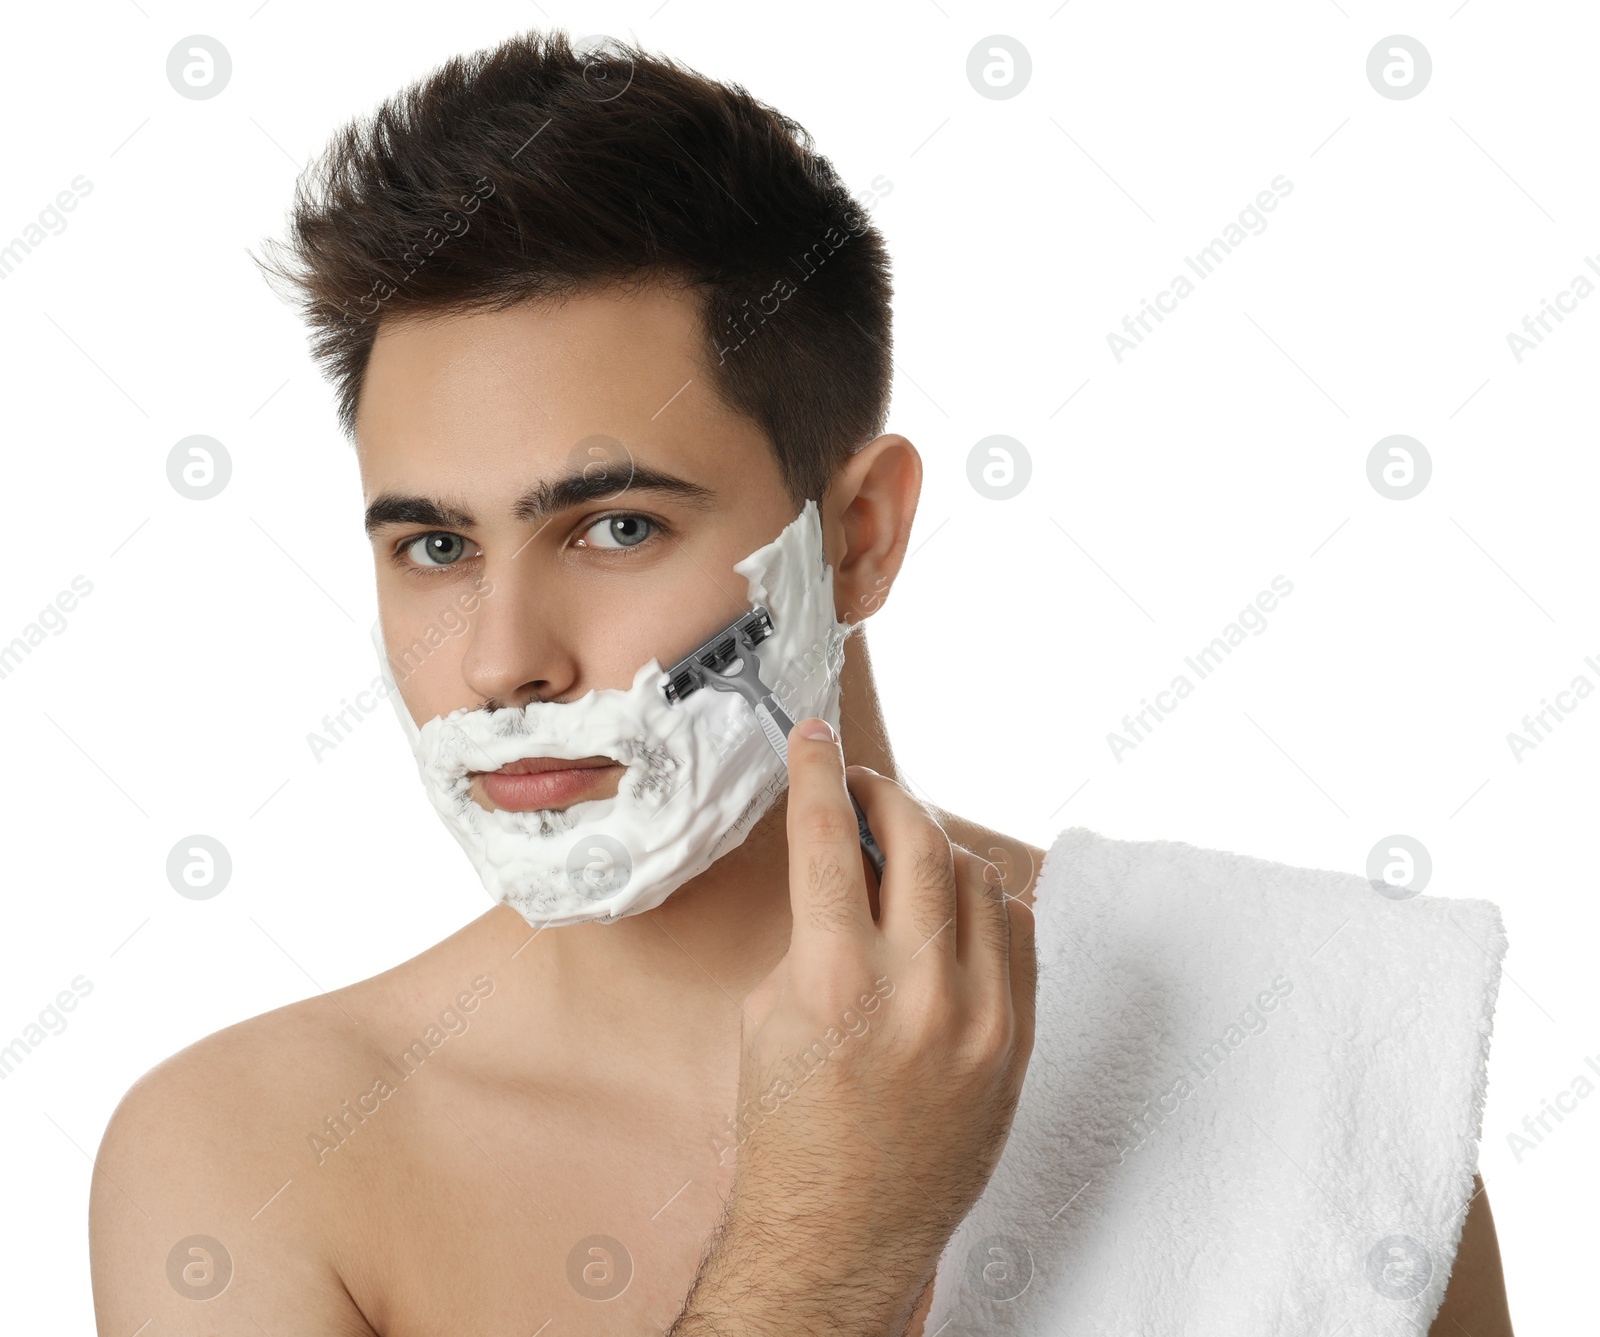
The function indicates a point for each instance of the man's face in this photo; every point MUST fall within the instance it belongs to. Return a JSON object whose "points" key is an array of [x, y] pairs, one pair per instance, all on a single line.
{"points": [[494, 589]]}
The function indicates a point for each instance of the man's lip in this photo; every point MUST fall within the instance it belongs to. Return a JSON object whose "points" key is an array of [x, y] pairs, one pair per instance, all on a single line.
{"points": [[538, 765], [537, 783]]}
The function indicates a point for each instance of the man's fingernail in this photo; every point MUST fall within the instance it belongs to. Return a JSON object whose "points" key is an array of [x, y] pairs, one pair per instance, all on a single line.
{"points": [[816, 728]]}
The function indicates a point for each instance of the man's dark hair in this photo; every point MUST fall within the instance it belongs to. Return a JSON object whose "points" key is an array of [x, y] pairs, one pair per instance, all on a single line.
{"points": [[532, 170]]}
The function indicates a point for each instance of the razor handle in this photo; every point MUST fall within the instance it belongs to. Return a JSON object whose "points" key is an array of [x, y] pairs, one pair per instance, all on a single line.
{"points": [[776, 724], [869, 842]]}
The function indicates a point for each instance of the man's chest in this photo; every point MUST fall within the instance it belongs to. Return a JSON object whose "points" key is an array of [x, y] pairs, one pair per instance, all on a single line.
{"points": [[483, 1219], [470, 1209]]}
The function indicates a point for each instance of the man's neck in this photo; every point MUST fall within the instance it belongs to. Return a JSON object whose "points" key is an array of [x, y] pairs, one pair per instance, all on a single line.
{"points": [[861, 724]]}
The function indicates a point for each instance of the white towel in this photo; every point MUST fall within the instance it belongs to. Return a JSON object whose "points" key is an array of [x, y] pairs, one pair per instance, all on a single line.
{"points": [[1299, 1170]]}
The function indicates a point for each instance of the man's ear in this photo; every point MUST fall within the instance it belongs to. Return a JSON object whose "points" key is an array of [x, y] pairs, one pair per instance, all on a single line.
{"points": [[866, 520]]}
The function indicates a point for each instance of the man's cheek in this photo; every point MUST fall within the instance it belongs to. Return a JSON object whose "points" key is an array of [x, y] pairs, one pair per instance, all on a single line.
{"points": [[429, 672]]}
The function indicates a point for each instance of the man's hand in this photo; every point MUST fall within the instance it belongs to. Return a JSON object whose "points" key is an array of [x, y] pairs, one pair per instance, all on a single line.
{"points": [[881, 1067]]}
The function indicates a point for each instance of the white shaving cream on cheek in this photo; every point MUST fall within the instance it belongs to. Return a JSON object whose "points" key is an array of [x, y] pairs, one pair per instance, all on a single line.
{"points": [[700, 774]]}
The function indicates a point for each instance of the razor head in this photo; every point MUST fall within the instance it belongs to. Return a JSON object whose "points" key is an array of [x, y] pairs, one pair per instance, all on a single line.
{"points": [[688, 675]]}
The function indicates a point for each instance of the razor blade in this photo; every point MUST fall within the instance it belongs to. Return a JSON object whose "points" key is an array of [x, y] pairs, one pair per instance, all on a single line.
{"points": [[731, 661], [690, 673]]}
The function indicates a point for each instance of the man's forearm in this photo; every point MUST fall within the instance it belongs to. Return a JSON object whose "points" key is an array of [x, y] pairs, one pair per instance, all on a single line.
{"points": [[754, 1284]]}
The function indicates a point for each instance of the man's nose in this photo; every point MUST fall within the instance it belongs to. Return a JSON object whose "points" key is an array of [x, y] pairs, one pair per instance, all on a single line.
{"points": [[518, 649]]}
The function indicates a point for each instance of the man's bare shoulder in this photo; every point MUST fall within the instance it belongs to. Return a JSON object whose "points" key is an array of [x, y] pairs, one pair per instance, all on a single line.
{"points": [[1018, 861], [247, 1061], [238, 1083], [243, 1081], [206, 1175]]}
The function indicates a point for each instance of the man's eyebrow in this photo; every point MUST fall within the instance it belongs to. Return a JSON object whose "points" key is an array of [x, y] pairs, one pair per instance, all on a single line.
{"points": [[552, 496], [540, 501], [394, 508]]}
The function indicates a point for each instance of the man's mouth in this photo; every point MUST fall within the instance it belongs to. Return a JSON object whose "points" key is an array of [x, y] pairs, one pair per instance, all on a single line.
{"points": [[548, 782]]}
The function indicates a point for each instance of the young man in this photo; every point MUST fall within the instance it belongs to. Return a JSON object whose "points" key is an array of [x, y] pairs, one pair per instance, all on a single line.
{"points": [[533, 264]]}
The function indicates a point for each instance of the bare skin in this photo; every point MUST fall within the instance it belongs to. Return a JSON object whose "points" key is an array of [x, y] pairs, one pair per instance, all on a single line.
{"points": [[586, 1074]]}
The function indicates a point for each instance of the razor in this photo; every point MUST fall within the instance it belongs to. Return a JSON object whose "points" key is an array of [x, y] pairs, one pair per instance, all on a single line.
{"points": [[731, 662]]}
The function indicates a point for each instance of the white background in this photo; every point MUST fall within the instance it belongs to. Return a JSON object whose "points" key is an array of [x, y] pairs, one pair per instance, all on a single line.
{"points": [[1167, 490]]}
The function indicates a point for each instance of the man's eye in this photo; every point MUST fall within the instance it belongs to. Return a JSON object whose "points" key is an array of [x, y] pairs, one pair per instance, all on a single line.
{"points": [[618, 531], [437, 549]]}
